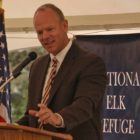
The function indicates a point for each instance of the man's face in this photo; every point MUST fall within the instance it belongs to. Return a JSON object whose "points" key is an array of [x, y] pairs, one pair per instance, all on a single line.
{"points": [[51, 31]]}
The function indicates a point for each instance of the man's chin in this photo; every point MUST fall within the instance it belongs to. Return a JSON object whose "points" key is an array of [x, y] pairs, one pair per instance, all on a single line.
{"points": [[51, 51], [48, 48]]}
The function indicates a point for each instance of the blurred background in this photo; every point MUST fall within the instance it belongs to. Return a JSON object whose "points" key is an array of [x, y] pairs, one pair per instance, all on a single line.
{"points": [[90, 17]]}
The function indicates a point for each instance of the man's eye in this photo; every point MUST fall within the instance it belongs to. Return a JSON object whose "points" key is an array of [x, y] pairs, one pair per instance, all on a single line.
{"points": [[50, 29]]}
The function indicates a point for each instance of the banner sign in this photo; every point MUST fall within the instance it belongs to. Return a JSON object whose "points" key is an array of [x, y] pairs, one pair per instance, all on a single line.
{"points": [[121, 105]]}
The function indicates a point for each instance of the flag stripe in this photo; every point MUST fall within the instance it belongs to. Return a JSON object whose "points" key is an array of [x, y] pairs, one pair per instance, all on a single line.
{"points": [[5, 106]]}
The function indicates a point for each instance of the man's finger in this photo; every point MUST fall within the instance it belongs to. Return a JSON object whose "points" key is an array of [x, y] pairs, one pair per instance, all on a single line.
{"points": [[41, 105], [33, 112]]}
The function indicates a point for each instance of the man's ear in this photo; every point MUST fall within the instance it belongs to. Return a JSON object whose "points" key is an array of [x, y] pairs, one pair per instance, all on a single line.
{"points": [[65, 25]]}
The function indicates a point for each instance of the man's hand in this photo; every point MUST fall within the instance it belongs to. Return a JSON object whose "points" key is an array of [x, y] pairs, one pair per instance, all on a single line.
{"points": [[45, 116]]}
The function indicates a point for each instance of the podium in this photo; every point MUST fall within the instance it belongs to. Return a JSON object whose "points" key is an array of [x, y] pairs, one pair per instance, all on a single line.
{"points": [[18, 132]]}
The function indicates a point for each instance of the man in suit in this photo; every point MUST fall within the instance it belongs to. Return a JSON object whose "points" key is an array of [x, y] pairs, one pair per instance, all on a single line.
{"points": [[75, 96]]}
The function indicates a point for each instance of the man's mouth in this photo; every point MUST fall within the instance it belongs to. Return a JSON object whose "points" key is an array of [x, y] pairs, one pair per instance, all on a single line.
{"points": [[49, 43]]}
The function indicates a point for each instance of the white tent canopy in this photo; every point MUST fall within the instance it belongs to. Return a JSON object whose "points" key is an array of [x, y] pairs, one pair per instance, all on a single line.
{"points": [[85, 17]]}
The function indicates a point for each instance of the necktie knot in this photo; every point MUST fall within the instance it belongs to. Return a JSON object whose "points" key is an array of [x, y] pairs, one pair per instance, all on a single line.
{"points": [[54, 62]]}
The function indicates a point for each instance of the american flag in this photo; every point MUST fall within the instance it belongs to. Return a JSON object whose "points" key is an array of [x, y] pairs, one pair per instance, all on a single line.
{"points": [[5, 103]]}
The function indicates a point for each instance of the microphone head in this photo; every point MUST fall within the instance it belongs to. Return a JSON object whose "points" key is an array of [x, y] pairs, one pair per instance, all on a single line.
{"points": [[32, 55], [26, 61]]}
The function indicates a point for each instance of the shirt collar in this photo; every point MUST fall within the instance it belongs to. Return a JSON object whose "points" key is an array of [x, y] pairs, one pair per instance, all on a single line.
{"points": [[61, 55]]}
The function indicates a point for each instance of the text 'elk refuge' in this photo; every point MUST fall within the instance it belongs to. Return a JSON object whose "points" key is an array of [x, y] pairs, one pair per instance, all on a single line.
{"points": [[116, 102]]}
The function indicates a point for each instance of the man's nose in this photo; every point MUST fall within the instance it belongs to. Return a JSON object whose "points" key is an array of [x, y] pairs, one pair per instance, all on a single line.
{"points": [[45, 35]]}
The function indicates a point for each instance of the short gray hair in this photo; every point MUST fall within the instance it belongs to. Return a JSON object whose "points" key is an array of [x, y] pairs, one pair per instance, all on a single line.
{"points": [[54, 8]]}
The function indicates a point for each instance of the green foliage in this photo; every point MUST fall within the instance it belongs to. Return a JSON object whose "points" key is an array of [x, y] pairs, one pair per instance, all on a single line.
{"points": [[19, 86]]}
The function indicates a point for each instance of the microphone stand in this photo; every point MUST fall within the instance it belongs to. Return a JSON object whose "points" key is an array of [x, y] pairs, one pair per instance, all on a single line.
{"points": [[12, 76], [6, 82]]}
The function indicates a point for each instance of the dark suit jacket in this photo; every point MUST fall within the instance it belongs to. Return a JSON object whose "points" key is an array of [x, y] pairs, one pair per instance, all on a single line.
{"points": [[76, 94]]}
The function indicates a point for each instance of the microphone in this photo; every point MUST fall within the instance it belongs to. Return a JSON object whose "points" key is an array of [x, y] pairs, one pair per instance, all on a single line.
{"points": [[18, 69]]}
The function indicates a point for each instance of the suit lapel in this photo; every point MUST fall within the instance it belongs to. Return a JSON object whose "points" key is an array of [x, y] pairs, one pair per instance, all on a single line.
{"points": [[63, 71]]}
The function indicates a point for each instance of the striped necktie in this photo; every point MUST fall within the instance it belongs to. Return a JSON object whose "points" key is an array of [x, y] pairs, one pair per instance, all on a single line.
{"points": [[49, 84], [50, 81]]}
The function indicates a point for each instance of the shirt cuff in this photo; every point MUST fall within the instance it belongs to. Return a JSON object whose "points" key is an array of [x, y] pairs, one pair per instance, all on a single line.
{"points": [[62, 121]]}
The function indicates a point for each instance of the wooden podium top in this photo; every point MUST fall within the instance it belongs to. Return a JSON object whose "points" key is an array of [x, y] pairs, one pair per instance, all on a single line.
{"points": [[5, 126]]}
